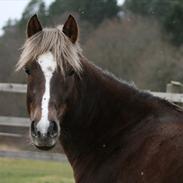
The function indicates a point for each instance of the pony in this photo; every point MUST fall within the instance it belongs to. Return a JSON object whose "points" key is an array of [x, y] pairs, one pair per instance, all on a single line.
{"points": [[111, 132]]}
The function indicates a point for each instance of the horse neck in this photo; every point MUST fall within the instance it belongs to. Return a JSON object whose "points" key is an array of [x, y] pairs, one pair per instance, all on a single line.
{"points": [[99, 116]]}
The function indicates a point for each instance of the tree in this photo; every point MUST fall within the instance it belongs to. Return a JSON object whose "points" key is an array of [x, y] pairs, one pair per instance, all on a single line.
{"points": [[168, 12], [34, 7], [134, 50], [94, 11]]}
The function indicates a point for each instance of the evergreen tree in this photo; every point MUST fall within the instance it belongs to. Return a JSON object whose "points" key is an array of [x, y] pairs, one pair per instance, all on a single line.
{"points": [[34, 7], [168, 12], [93, 11]]}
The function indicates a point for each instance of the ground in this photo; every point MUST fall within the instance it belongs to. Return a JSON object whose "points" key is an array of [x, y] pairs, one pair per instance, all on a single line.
{"points": [[31, 171]]}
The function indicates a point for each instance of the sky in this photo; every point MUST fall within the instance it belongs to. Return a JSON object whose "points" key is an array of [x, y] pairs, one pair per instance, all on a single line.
{"points": [[13, 9]]}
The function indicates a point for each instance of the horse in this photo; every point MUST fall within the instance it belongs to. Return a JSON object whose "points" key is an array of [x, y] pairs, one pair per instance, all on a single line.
{"points": [[111, 132]]}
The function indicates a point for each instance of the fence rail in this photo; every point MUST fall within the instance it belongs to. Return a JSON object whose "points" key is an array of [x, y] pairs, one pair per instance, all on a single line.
{"points": [[14, 121], [172, 97], [13, 87]]}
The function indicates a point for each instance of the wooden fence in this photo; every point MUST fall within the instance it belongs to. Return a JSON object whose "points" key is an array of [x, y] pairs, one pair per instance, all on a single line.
{"points": [[173, 94], [13, 122]]}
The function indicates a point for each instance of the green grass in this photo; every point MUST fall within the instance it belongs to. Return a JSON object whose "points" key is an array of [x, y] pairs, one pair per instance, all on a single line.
{"points": [[31, 171]]}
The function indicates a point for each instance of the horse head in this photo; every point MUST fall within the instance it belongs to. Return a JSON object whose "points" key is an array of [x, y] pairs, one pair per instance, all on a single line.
{"points": [[51, 60]]}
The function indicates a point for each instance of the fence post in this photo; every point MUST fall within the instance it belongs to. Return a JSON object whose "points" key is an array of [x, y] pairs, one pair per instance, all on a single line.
{"points": [[174, 87]]}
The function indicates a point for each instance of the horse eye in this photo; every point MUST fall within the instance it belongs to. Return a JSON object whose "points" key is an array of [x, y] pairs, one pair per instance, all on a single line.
{"points": [[27, 70], [70, 73]]}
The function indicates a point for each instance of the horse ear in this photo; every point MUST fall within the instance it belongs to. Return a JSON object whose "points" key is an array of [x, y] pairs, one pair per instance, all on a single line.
{"points": [[70, 29], [33, 26]]}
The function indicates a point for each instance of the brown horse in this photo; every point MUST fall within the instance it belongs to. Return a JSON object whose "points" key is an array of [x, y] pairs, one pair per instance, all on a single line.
{"points": [[110, 131]]}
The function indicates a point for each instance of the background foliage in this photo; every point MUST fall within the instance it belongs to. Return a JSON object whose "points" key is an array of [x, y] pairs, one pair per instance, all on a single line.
{"points": [[168, 12]]}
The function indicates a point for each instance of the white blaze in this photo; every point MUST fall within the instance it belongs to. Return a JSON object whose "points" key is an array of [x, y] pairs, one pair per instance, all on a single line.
{"points": [[48, 66]]}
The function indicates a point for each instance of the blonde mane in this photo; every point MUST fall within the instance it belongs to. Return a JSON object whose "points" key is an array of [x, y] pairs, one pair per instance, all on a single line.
{"points": [[54, 40]]}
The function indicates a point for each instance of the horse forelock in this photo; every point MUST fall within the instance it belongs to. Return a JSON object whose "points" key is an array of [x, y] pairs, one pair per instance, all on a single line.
{"points": [[54, 40]]}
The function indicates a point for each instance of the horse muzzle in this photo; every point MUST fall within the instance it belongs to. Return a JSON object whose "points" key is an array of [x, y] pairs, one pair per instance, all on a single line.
{"points": [[45, 140]]}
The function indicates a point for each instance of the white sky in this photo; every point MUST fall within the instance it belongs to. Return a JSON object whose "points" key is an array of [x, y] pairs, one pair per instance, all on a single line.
{"points": [[12, 9]]}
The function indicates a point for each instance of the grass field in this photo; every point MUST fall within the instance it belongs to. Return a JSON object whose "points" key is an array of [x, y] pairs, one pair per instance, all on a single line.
{"points": [[31, 171]]}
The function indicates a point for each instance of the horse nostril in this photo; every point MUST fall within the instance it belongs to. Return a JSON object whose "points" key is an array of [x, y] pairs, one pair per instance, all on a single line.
{"points": [[51, 132], [53, 129], [33, 128], [34, 131]]}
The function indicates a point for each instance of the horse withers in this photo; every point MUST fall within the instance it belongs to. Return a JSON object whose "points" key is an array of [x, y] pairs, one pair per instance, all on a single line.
{"points": [[110, 131]]}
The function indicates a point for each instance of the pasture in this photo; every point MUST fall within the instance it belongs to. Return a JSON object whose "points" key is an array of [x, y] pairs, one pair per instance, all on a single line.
{"points": [[31, 171]]}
